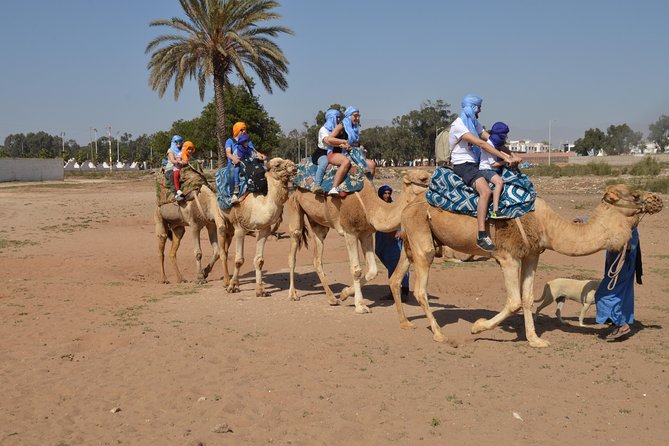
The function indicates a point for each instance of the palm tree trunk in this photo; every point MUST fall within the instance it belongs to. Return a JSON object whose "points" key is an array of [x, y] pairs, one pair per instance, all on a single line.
{"points": [[219, 86]]}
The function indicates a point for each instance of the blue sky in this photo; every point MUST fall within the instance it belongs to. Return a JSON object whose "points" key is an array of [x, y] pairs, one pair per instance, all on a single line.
{"points": [[70, 65]]}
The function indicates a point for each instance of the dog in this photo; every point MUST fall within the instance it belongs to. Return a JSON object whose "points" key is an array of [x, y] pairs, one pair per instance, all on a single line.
{"points": [[559, 290]]}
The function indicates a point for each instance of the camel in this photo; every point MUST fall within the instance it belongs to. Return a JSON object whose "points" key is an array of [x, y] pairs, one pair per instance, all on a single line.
{"points": [[519, 244], [357, 217], [258, 213], [171, 222]]}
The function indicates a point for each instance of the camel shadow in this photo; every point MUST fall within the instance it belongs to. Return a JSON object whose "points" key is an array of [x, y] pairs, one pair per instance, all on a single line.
{"points": [[546, 324]]}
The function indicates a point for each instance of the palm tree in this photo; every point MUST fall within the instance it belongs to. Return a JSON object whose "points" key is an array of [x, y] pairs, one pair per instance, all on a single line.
{"points": [[221, 38]]}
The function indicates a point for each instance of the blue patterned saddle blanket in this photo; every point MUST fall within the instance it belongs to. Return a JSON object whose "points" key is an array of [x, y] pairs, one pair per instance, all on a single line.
{"points": [[447, 191], [354, 181], [225, 185]]}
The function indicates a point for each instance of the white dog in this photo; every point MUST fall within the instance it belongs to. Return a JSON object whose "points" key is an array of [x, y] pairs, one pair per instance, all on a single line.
{"points": [[582, 291]]}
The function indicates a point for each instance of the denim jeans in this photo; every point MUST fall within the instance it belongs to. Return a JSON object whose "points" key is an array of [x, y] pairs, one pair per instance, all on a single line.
{"points": [[320, 172]]}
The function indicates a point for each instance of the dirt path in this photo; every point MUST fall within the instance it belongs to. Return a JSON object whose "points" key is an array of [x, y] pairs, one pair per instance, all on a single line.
{"points": [[87, 328]]}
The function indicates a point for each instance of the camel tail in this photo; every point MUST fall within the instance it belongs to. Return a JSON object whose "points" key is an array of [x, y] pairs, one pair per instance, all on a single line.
{"points": [[304, 238], [295, 210]]}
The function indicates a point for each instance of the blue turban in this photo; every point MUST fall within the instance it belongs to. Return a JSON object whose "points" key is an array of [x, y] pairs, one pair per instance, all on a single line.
{"points": [[331, 119], [173, 147], [470, 104], [383, 189], [353, 131], [498, 133]]}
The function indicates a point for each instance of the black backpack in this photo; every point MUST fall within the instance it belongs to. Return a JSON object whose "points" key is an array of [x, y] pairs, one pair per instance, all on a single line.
{"points": [[255, 174]]}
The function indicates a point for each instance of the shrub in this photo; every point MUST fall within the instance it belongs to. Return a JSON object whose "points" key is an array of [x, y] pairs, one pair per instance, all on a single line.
{"points": [[646, 167]]}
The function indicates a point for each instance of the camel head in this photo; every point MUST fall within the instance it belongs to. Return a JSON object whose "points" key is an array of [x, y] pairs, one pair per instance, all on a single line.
{"points": [[416, 181], [632, 203], [281, 170]]}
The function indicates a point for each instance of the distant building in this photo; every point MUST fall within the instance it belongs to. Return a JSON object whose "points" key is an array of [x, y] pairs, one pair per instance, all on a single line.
{"points": [[527, 146]]}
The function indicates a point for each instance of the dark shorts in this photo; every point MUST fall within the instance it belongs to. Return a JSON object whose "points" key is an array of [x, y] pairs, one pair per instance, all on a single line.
{"points": [[469, 172], [488, 174]]}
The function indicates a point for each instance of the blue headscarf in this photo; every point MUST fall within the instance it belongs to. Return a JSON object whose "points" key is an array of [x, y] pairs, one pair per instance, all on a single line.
{"points": [[469, 106], [383, 189], [498, 133], [331, 119], [353, 131], [173, 146]]}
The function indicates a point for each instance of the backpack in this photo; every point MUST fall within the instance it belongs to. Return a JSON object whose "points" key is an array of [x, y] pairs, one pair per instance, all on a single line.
{"points": [[255, 174]]}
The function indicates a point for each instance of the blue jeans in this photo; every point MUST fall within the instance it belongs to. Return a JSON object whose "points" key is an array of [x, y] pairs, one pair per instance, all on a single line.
{"points": [[320, 172]]}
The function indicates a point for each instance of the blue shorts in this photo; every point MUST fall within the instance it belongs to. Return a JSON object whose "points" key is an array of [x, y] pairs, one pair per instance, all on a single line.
{"points": [[469, 172], [488, 174]]}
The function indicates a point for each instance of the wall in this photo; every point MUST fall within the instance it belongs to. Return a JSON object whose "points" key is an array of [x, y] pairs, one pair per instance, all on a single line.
{"points": [[31, 169], [617, 160]]}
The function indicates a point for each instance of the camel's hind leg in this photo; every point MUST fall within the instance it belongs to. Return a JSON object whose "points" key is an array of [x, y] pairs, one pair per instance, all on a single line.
{"points": [[213, 240], [320, 232], [395, 283], [367, 244], [178, 233], [529, 267], [161, 234], [295, 230], [240, 233], [511, 271], [258, 260], [195, 235], [356, 272], [422, 263]]}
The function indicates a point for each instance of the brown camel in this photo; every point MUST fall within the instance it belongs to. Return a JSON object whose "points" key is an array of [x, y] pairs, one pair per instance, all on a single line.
{"points": [[357, 217], [171, 219], [518, 247], [258, 213]]}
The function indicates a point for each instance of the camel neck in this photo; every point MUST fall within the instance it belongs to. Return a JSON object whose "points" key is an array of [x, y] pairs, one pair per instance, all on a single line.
{"points": [[384, 217]]}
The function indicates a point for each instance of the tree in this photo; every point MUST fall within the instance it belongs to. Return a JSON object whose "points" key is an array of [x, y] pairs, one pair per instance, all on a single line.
{"points": [[594, 140], [621, 139], [659, 132], [221, 38]]}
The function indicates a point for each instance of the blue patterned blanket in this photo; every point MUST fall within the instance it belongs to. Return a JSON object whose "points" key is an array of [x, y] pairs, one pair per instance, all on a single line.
{"points": [[225, 185], [448, 192], [354, 180]]}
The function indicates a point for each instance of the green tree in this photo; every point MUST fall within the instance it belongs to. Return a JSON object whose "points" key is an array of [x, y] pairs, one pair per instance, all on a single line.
{"points": [[621, 139], [220, 38], [593, 140], [659, 132]]}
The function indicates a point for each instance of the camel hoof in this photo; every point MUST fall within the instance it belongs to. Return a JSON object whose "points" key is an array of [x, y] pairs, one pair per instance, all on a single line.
{"points": [[407, 325], [333, 301], [479, 326], [233, 289], [293, 296], [263, 294], [201, 281], [346, 293], [438, 337], [363, 309], [539, 343], [165, 281]]}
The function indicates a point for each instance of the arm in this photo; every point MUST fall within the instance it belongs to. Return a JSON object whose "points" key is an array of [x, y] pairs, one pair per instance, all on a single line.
{"points": [[231, 156], [471, 139], [176, 162], [333, 141]]}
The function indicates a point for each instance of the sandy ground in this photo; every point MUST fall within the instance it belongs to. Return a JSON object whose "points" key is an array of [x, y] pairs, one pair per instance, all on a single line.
{"points": [[95, 351]]}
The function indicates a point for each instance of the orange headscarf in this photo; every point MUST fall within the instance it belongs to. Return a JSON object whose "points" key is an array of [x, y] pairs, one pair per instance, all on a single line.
{"points": [[187, 150], [237, 128]]}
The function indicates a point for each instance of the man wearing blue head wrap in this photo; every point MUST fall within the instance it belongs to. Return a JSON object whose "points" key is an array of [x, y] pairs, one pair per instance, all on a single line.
{"points": [[490, 166], [175, 164], [327, 140], [466, 133]]}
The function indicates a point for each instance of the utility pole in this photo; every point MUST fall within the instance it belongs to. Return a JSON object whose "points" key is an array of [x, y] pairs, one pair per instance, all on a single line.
{"points": [[62, 139], [94, 135], [117, 142], [109, 134]]}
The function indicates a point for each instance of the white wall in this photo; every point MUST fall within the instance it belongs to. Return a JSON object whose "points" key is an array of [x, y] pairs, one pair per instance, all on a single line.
{"points": [[31, 169]]}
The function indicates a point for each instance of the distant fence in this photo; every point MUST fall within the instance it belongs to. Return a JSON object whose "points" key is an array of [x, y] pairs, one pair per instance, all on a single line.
{"points": [[31, 169]]}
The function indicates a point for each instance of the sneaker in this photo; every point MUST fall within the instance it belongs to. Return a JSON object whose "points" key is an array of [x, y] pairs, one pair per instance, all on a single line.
{"points": [[485, 243], [179, 198], [316, 188], [234, 199], [333, 191], [496, 216]]}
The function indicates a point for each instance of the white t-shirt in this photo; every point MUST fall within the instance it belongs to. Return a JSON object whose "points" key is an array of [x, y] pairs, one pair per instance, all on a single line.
{"points": [[461, 151], [487, 159], [322, 134]]}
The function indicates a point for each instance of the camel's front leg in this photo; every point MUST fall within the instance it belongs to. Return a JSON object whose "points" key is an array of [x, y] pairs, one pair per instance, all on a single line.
{"points": [[161, 234], [356, 272], [529, 267], [320, 232], [395, 283], [367, 244], [258, 260], [213, 240], [511, 271], [233, 287], [177, 234], [197, 248], [295, 230]]}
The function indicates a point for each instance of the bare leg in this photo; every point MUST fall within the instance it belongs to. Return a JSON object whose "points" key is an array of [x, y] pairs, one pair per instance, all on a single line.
{"points": [[497, 192], [482, 188], [344, 165]]}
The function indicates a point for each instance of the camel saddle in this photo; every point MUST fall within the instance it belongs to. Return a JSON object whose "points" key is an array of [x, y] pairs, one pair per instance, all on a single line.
{"points": [[191, 180], [447, 191], [306, 173]]}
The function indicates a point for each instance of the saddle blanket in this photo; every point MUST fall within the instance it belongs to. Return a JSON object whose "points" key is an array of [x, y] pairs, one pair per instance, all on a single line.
{"points": [[306, 171], [225, 185], [191, 179], [447, 191]]}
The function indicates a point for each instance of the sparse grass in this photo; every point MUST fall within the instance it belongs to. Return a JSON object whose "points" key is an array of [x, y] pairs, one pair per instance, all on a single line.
{"points": [[186, 292], [6, 243], [129, 316], [625, 411], [452, 398], [435, 422]]}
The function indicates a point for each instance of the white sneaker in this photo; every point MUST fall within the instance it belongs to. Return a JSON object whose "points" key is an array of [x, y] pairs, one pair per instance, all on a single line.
{"points": [[333, 191], [234, 199]]}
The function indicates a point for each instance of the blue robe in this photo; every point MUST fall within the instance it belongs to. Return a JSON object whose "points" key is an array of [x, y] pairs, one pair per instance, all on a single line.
{"points": [[617, 304], [388, 250]]}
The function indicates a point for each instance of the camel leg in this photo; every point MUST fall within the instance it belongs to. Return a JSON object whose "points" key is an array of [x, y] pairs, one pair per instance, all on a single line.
{"points": [[295, 228], [178, 233], [511, 271], [320, 232], [233, 287], [226, 242], [213, 240], [422, 265], [356, 272], [258, 260], [395, 283], [195, 235], [529, 267], [161, 233], [367, 243]]}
